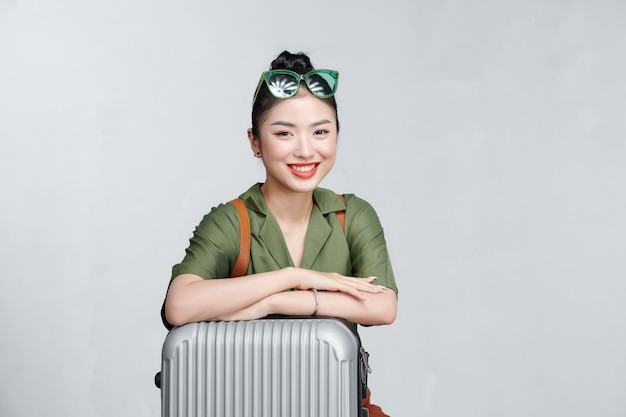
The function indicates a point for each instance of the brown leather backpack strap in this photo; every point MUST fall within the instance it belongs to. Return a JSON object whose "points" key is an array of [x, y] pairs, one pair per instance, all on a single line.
{"points": [[241, 265], [341, 215]]}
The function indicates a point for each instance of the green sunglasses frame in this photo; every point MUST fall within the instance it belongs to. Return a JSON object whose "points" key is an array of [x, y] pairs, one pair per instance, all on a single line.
{"points": [[297, 78]]}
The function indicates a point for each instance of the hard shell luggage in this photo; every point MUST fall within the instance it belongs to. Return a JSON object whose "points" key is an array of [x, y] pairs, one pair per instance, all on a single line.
{"points": [[272, 367]]}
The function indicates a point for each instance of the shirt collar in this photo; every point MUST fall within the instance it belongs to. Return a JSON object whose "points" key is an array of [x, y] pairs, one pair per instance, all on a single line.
{"points": [[326, 200]]}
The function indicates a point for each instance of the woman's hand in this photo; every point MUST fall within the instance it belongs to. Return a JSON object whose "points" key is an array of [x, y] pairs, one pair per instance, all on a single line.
{"points": [[331, 281]]}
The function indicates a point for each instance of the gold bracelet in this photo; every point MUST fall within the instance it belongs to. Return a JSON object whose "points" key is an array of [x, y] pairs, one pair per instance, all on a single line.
{"points": [[317, 302]]}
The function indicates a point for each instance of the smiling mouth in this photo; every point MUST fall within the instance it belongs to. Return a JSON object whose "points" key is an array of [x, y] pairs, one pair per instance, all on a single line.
{"points": [[303, 167], [304, 170]]}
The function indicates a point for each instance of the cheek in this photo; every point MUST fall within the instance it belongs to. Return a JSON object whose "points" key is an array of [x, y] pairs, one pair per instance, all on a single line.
{"points": [[278, 149], [328, 148]]}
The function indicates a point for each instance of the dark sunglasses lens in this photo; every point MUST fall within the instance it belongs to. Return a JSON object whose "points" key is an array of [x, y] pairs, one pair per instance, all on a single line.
{"points": [[322, 84], [282, 85]]}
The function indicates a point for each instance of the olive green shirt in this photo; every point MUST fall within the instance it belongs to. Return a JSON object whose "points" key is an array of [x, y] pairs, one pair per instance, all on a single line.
{"points": [[359, 251]]}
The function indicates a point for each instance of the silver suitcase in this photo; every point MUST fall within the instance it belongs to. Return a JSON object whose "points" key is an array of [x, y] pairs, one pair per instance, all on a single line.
{"points": [[273, 367]]}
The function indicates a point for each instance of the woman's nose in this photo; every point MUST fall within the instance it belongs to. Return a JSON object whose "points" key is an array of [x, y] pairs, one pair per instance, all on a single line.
{"points": [[305, 147]]}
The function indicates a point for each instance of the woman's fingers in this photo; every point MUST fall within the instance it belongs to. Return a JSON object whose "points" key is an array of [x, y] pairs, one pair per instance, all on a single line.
{"points": [[335, 282], [365, 284]]}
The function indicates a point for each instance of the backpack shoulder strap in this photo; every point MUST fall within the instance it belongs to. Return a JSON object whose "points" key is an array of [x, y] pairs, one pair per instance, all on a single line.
{"points": [[241, 265]]}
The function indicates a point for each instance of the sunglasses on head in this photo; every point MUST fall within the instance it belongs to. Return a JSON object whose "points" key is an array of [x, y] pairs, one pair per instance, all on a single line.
{"points": [[285, 83]]}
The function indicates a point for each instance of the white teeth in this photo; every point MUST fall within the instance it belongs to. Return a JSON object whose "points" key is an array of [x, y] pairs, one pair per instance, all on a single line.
{"points": [[300, 168]]}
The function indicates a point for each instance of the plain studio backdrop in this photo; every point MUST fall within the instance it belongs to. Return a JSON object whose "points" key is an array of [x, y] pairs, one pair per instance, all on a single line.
{"points": [[490, 137]]}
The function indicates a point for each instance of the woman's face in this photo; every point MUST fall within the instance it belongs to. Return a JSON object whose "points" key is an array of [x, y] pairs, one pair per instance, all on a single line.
{"points": [[298, 143]]}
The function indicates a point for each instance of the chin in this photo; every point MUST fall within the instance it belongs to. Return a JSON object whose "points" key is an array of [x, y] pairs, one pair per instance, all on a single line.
{"points": [[305, 188]]}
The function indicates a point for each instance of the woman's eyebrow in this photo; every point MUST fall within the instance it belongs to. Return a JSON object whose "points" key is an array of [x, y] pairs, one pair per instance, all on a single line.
{"points": [[321, 122], [289, 124], [282, 123]]}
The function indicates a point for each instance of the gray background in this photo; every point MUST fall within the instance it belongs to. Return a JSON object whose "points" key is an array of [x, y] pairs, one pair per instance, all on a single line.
{"points": [[490, 137]]}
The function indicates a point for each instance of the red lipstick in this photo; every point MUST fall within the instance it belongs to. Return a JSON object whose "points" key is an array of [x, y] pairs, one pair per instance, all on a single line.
{"points": [[304, 170]]}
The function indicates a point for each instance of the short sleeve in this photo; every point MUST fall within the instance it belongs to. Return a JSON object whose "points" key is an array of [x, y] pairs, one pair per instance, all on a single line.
{"points": [[366, 239], [214, 246]]}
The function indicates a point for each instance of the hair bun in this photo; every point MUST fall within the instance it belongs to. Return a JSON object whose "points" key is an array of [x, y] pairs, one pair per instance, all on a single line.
{"points": [[298, 62]]}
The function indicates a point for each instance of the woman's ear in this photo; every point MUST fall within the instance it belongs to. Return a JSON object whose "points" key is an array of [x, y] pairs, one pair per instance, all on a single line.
{"points": [[255, 144]]}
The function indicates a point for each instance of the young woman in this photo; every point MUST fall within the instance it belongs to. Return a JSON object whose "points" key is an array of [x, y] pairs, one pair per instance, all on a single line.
{"points": [[297, 241]]}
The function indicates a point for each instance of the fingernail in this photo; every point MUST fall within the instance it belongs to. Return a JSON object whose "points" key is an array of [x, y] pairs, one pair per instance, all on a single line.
{"points": [[365, 298]]}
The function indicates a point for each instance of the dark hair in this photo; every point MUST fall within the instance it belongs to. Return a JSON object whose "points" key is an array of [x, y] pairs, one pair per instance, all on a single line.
{"points": [[299, 63]]}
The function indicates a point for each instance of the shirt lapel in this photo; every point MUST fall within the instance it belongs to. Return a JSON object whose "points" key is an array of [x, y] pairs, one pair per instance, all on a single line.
{"points": [[269, 234], [273, 239], [316, 236], [318, 232]]}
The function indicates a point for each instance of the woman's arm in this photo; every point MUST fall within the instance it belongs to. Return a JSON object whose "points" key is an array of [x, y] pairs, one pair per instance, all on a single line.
{"points": [[191, 298], [379, 309]]}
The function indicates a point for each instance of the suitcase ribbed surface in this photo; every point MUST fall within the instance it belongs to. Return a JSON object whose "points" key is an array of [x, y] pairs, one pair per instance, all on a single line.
{"points": [[261, 368]]}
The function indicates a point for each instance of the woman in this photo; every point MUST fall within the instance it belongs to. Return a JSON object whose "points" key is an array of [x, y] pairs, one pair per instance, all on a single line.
{"points": [[297, 241]]}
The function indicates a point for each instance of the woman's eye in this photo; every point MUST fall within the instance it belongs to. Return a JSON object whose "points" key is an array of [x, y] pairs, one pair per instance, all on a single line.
{"points": [[321, 132]]}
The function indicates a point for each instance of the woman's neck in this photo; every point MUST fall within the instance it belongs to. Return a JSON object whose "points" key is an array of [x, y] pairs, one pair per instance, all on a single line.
{"points": [[289, 207]]}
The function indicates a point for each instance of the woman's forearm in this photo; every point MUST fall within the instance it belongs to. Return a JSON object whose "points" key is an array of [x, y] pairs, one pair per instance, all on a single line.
{"points": [[380, 308], [191, 298]]}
